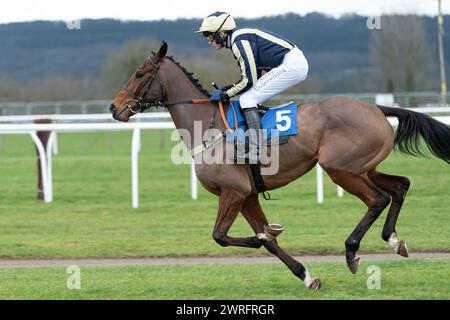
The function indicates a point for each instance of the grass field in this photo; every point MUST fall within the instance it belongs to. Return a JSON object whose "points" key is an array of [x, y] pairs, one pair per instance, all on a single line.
{"points": [[410, 279], [91, 215]]}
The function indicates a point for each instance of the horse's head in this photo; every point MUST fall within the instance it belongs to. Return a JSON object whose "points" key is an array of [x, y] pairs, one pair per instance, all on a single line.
{"points": [[142, 91]]}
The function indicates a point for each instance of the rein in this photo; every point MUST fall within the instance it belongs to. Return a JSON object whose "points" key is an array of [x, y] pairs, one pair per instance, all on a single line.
{"points": [[143, 105], [201, 101]]}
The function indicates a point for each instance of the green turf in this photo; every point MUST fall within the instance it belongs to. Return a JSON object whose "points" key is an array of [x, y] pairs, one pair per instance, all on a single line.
{"points": [[406, 279], [92, 216]]}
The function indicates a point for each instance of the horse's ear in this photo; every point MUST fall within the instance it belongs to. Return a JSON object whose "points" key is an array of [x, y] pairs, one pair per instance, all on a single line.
{"points": [[162, 51]]}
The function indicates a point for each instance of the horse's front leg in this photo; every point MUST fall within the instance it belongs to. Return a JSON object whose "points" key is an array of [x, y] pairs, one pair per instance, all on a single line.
{"points": [[230, 204], [255, 216]]}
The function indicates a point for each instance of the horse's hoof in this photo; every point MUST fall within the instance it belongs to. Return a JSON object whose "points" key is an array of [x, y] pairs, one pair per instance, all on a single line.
{"points": [[402, 249], [273, 230], [353, 265], [315, 284]]}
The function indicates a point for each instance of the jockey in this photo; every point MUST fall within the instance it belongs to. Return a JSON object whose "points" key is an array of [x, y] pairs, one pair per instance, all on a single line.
{"points": [[256, 50]]}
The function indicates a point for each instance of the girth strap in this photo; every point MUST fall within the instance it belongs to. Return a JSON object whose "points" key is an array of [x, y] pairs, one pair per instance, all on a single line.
{"points": [[258, 180]]}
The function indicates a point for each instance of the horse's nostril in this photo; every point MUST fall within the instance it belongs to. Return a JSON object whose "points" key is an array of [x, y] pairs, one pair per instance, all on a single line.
{"points": [[112, 108]]}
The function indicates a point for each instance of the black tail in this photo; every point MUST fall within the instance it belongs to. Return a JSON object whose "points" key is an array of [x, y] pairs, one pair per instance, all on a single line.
{"points": [[413, 125]]}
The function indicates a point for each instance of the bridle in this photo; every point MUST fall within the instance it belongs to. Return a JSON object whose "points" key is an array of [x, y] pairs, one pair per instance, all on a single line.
{"points": [[142, 90], [138, 98]]}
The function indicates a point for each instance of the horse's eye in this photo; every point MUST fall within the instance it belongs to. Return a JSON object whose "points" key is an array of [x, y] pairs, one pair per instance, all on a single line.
{"points": [[139, 74]]}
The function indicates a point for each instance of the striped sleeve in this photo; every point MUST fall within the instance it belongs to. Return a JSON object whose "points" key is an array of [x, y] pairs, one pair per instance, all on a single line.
{"points": [[244, 55]]}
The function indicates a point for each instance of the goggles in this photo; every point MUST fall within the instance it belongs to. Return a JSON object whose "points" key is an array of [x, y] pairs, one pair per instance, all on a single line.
{"points": [[208, 35]]}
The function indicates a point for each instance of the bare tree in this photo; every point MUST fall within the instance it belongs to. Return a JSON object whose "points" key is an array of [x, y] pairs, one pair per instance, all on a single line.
{"points": [[120, 65], [218, 66], [9, 89], [208, 68], [402, 55], [50, 88]]}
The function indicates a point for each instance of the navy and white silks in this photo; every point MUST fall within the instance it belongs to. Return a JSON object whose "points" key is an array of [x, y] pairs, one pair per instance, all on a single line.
{"points": [[258, 50]]}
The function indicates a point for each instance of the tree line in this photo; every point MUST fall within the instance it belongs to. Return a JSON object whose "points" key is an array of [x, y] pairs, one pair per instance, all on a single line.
{"points": [[401, 58]]}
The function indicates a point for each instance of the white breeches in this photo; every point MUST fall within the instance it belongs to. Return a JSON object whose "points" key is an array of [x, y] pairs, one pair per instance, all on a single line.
{"points": [[292, 70]]}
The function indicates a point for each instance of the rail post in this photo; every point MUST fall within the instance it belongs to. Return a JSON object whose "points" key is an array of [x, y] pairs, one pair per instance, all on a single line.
{"points": [[43, 137]]}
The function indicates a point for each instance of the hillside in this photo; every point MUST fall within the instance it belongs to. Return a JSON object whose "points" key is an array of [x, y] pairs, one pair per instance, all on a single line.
{"points": [[335, 48]]}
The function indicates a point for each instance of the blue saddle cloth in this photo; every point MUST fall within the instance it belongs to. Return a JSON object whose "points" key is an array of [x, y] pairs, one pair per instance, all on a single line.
{"points": [[277, 121]]}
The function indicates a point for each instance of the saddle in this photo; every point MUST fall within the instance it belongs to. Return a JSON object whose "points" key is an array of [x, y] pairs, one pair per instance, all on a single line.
{"points": [[278, 122], [281, 140]]}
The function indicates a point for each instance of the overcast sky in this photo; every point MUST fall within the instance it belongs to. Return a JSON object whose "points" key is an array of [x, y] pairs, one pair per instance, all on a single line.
{"points": [[28, 10]]}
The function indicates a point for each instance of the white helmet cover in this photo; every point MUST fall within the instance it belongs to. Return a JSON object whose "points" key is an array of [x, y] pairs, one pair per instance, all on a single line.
{"points": [[216, 22]]}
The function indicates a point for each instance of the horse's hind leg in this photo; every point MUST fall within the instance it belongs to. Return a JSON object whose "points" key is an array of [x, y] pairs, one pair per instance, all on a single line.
{"points": [[397, 187], [375, 199], [253, 213]]}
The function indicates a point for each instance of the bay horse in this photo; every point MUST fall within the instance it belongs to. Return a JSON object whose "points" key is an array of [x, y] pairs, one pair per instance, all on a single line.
{"points": [[347, 137]]}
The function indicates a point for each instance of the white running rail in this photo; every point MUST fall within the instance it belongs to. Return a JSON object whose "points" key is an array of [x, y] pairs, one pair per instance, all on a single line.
{"points": [[46, 157]]}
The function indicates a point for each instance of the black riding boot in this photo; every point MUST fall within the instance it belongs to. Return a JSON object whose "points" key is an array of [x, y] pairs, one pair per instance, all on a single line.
{"points": [[254, 125]]}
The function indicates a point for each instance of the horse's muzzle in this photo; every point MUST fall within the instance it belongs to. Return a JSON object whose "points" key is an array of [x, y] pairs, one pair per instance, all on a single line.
{"points": [[112, 109]]}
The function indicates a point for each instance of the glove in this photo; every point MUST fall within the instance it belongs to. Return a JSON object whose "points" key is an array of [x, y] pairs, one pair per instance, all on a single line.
{"points": [[219, 95], [225, 88]]}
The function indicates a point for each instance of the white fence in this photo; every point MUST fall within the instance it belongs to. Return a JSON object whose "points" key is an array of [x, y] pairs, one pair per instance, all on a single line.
{"points": [[83, 117], [46, 156], [52, 146], [405, 99]]}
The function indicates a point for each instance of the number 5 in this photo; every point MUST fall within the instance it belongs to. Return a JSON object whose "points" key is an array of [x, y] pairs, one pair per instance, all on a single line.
{"points": [[283, 116]]}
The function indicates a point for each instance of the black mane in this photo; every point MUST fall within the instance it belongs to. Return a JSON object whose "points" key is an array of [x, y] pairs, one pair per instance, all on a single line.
{"points": [[190, 75]]}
